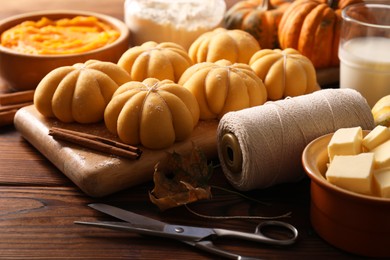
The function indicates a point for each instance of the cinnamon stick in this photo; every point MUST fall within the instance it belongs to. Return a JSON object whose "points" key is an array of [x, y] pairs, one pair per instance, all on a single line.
{"points": [[14, 106], [11, 102], [96, 143], [7, 117], [17, 97]]}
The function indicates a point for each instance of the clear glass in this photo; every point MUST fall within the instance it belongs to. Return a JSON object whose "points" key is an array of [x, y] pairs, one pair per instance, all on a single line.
{"points": [[364, 50]]}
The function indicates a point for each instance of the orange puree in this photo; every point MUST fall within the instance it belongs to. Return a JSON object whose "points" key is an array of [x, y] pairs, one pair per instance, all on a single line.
{"points": [[65, 36]]}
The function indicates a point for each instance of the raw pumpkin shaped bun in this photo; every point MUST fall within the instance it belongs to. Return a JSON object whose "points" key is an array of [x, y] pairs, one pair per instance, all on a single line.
{"points": [[165, 60], [152, 113], [285, 73], [222, 87], [79, 93], [236, 46]]}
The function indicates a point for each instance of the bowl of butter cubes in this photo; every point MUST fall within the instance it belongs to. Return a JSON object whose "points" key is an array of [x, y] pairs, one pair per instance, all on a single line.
{"points": [[350, 189]]}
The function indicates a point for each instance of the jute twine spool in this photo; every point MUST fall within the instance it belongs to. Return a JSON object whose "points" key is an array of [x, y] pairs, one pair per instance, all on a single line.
{"points": [[262, 146]]}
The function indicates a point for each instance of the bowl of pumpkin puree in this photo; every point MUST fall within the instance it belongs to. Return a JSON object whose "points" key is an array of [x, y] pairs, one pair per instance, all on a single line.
{"points": [[33, 44]]}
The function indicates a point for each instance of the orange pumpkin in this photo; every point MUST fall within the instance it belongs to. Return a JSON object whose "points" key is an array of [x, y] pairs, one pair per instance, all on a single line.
{"points": [[313, 28], [260, 18]]}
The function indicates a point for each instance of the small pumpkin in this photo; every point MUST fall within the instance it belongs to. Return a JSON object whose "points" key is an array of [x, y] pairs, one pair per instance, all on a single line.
{"points": [[260, 18], [285, 73], [222, 87], [166, 60], [313, 28], [79, 93], [152, 113], [236, 46]]}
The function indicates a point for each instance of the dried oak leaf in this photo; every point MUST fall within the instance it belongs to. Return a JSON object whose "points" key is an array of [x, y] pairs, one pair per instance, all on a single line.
{"points": [[185, 180]]}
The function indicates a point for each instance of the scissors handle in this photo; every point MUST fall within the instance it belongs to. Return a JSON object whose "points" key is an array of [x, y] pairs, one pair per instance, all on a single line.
{"points": [[259, 236]]}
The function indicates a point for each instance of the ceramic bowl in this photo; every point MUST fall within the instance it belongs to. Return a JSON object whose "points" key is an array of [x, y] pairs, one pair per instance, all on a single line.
{"points": [[23, 71], [359, 224]]}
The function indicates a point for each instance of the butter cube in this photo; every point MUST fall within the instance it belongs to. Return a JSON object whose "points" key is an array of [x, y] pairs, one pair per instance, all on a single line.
{"points": [[345, 141], [382, 182], [377, 136], [352, 172], [382, 155]]}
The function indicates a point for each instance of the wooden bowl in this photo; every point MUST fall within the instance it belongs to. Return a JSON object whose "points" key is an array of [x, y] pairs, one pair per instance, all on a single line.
{"points": [[359, 224], [24, 71]]}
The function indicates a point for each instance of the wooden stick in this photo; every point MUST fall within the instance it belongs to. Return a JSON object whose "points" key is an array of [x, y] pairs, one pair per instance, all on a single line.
{"points": [[96, 143], [17, 97]]}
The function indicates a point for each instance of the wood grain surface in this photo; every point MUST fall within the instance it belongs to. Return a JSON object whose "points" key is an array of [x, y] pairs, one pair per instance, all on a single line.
{"points": [[38, 205]]}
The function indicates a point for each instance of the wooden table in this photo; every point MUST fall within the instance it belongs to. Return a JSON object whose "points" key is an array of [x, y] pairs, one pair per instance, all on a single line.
{"points": [[38, 204]]}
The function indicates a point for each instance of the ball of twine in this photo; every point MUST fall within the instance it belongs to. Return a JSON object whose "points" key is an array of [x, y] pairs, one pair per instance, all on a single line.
{"points": [[262, 146]]}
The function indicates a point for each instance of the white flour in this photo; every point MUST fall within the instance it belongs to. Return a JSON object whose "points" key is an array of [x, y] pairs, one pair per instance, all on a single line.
{"points": [[180, 21]]}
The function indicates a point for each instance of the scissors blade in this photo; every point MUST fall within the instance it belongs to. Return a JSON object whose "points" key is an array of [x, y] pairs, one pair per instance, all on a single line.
{"points": [[130, 217], [186, 234], [142, 223]]}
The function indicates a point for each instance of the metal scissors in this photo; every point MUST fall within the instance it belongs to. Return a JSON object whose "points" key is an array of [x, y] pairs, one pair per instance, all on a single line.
{"points": [[198, 237]]}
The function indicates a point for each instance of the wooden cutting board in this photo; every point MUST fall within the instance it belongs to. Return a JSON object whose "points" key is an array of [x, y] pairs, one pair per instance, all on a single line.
{"points": [[99, 174]]}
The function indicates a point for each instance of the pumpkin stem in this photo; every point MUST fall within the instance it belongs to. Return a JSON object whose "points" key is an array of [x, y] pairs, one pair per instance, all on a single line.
{"points": [[333, 3], [266, 5]]}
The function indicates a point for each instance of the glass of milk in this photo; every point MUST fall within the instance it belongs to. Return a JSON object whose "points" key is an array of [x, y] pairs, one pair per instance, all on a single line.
{"points": [[364, 50]]}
